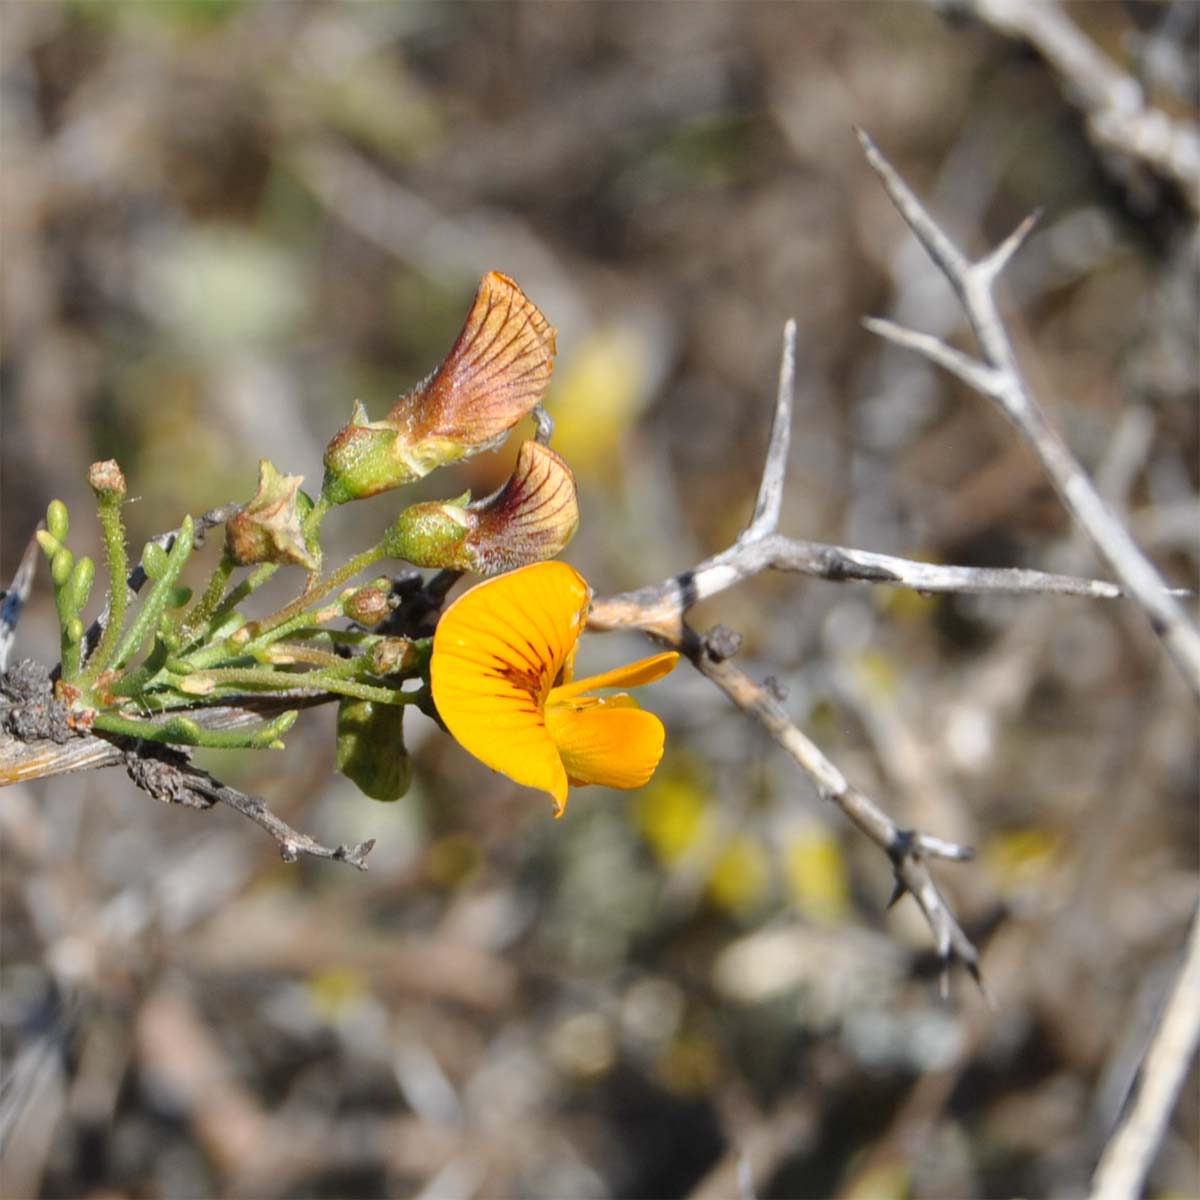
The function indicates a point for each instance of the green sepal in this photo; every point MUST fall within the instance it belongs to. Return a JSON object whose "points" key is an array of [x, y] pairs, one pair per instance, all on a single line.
{"points": [[370, 748]]}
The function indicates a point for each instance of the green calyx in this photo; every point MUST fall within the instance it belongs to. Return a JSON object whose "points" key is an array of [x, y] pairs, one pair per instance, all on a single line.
{"points": [[432, 534]]}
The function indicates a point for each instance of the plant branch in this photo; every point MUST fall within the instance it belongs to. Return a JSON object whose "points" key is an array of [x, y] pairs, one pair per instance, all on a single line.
{"points": [[660, 611], [770, 489], [659, 608], [1130, 1154], [167, 775], [907, 848], [12, 600], [1114, 103], [998, 377]]}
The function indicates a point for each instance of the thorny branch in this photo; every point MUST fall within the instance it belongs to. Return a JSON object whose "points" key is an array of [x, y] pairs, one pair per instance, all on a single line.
{"points": [[660, 610], [999, 377], [1118, 115]]}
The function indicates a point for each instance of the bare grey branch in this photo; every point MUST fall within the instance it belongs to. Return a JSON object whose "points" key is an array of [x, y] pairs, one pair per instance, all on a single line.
{"points": [[1000, 378], [1130, 1154], [770, 489]]}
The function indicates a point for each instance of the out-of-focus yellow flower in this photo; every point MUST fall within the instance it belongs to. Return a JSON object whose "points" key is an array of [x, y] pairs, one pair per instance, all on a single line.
{"points": [[501, 675]]}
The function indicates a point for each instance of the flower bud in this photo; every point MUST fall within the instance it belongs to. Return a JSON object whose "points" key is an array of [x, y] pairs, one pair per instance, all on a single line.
{"points": [[395, 656], [496, 371], [106, 478], [270, 528], [369, 604], [370, 748], [531, 518]]}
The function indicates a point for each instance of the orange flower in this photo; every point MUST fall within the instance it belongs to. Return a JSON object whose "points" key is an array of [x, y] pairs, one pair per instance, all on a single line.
{"points": [[501, 676]]}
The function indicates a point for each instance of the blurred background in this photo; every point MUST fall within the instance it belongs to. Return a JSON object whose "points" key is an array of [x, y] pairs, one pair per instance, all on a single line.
{"points": [[224, 221]]}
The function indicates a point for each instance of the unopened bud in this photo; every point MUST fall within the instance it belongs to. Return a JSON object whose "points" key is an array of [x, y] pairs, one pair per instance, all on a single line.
{"points": [[370, 748], [106, 478], [496, 372], [270, 528], [368, 605], [393, 656], [530, 519], [58, 520]]}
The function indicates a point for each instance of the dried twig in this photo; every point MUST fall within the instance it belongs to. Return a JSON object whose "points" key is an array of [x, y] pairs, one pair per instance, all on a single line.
{"points": [[907, 848], [12, 601], [167, 775], [998, 377], [1118, 115], [37, 740], [660, 610], [1130, 1153]]}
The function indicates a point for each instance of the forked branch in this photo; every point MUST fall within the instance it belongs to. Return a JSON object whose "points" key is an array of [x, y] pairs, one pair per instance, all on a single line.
{"points": [[661, 610], [998, 377]]}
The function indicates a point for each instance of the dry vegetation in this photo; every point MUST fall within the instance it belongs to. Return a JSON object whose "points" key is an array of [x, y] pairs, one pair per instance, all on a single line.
{"points": [[223, 221]]}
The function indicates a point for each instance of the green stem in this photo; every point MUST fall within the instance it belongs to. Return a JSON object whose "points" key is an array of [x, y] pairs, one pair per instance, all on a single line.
{"points": [[113, 529], [154, 604], [206, 606], [360, 562], [183, 731], [132, 682], [249, 585], [319, 681], [282, 653]]}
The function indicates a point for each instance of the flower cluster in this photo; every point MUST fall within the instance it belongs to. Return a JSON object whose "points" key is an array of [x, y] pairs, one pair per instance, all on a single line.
{"points": [[498, 666]]}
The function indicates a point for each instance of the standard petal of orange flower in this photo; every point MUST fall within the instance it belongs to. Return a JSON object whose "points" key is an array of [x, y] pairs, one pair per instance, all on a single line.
{"points": [[613, 743], [645, 670], [496, 653]]}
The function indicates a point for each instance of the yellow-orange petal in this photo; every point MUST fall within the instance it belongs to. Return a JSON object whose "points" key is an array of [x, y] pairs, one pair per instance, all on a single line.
{"points": [[496, 653], [645, 670], [496, 371], [613, 743]]}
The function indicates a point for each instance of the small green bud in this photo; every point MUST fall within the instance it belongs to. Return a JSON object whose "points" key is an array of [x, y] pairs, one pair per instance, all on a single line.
{"points": [[270, 528], [49, 543], [74, 631], [80, 586], [106, 480], [61, 565], [370, 748], [58, 520], [154, 561]]}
